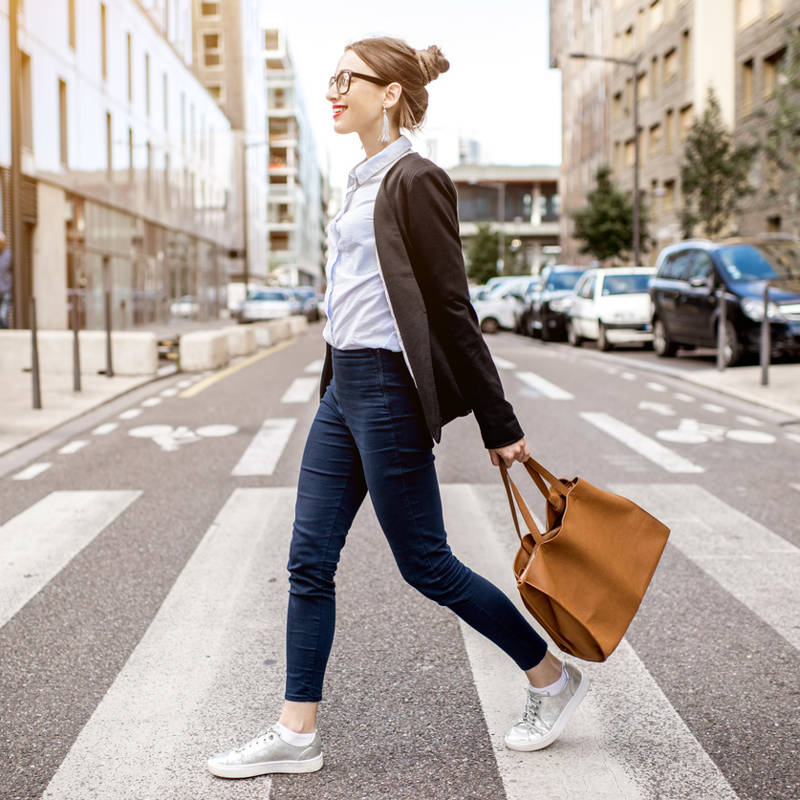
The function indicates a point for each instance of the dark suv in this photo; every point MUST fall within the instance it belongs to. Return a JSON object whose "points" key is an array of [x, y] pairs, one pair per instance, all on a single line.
{"points": [[548, 308], [685, 295]]}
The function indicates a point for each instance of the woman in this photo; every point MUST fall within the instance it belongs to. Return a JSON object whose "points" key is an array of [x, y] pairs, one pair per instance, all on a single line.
{"points": [[404, 356]]}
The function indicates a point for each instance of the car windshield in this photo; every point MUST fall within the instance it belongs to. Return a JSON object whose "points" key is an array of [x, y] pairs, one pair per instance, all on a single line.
{"points": [[632, 283], [562, 281], [260, 294], [764, 261]]}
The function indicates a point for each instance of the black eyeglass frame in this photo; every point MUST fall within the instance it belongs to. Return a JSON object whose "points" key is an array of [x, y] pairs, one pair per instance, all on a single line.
{"points": [[371, 78]]}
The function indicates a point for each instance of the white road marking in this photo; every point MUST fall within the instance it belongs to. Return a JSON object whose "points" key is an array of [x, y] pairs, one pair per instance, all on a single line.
{"points": [[187, 707], [745, 420], [795, 486], [644, 445], [758, 567], [690, 431], [300, 391], [264, 452], [32, 471], [106, 427], [501, 363], [315, 366], [795, 437], [169, 393], [656, 387], [37, 543], [683, 397], [150, 431], [543, 386], [151, 401], [185, 383], [751, 437], [629, 376], [659, 408], [214, 431], [714, 408], [131, 413], [611, 748], [72, 447]]}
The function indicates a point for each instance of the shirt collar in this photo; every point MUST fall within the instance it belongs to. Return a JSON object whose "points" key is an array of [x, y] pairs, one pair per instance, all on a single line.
{"points": [[363, 171]]}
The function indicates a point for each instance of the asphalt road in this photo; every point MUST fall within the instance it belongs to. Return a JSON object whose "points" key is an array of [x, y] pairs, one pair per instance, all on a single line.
{"points": [[143, 588]]}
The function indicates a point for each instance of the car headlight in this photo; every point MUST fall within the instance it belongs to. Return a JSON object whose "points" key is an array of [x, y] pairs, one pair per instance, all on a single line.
{"points": [[755, 310], [561, 304]]}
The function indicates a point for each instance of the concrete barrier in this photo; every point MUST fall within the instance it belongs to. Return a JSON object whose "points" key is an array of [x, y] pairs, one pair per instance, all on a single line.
{"points": [[279, 329], [297, 325], [241, 340], [203, 350], [132, 352], [263, 334]]}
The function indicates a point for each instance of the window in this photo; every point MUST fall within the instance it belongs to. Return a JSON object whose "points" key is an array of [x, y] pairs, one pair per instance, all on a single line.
{"points": [[640, 28], [212, 49], [617, 106], [669, 196], [147, 84], [627, 41], [209, 9], [71, 23], [670, 64], [772, 68], [62, 123], [109, 147], [26, 101], [701, 265], [617, 157], [686, 53], [654, 141], [103, 41], [586, 287], [654, 77], [629, 153], [686, 120], [641, 86], [271, 39], [669, 124], [656, 15], [774, 224], [215, 90], [130, 67], [748, 83], [747, 11]]}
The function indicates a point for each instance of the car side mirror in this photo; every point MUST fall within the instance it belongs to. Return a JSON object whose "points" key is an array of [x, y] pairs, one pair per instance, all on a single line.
{"points": [[701, 283]]}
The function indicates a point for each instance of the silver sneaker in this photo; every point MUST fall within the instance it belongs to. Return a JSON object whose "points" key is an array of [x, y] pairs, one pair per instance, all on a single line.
{"points": [[267, 753], [545, 717]]}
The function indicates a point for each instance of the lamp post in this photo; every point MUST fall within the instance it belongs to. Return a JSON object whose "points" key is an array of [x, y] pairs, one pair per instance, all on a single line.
{"points": [[633, 63]]}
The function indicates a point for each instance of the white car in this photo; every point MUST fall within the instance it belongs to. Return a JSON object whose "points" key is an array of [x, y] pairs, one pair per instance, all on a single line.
{"points": [[267, 304], [185, 307], [611, 306], [502, 306]]}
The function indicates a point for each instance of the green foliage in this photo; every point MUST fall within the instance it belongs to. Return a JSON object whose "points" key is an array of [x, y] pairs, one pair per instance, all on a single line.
{"points": [[482, 254], [605, 224], [714, 173]]}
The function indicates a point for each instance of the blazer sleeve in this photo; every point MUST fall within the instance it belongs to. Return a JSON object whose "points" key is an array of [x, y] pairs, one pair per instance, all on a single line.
{"points": [[432, 213]]}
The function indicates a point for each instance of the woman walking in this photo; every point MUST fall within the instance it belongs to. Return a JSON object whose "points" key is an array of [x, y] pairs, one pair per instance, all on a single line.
{"points": [[404, 356]]}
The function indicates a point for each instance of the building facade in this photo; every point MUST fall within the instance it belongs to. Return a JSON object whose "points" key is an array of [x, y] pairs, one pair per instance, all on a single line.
{"points": [[126, 162], [681, 49], [521, 201]]}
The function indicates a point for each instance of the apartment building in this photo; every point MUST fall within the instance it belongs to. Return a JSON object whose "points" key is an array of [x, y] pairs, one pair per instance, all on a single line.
{"points": [[228, 60], [680, 49], [126, 163], [296, 221], [521, 201]]}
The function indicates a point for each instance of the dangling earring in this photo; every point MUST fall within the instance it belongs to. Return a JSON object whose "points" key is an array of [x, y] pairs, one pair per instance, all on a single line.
{"points": [[384, 137]]}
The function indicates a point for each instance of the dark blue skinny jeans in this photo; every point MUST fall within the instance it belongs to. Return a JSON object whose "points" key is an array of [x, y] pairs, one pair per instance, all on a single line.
{"points": [[369, 435]]}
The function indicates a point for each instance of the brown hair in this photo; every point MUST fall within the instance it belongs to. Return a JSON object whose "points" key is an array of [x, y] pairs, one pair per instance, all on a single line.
{"points": [[394, 60]]}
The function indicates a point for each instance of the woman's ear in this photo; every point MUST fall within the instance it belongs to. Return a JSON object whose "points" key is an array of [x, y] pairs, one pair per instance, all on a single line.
{"points": [[392, 94]]}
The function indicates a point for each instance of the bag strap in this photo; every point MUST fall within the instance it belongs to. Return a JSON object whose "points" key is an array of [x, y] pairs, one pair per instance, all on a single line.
{"points": [[537, 471], [526, 514]]}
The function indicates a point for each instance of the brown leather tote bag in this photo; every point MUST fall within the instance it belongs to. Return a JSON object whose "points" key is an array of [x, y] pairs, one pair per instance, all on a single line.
{"points": [[584, 577]]}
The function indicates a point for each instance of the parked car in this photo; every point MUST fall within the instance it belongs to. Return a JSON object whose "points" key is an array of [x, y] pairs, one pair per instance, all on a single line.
{"points": [[611, 306], [500, 307], [689, 277], [309, 300], [549, 307], [268, 303], [186, 307]]}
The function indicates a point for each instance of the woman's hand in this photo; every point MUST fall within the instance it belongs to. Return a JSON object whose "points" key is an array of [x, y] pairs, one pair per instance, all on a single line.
{"points": [[510, 453]]}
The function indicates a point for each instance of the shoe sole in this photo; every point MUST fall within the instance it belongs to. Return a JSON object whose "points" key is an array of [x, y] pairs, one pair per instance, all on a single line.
{"points": [[569, 710], [265, 768]]}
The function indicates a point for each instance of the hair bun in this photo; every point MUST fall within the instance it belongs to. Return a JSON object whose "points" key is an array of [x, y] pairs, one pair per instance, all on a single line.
{"points": [[432, 63]]}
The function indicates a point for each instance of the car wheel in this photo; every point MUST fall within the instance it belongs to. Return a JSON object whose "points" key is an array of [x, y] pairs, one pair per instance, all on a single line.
{"points": [[572, 336], [662, 344], [602, 339], [489, 325], [733, 351], [545, 334]]}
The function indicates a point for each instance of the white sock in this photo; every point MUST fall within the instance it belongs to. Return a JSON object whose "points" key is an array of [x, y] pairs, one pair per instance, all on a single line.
{"points": [[296, 739], [556, 686]]}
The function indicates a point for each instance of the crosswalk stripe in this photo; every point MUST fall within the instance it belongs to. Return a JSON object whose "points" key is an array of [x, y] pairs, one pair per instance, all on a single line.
{"points": [[300, 391], [106, 427], [502, 363], [72, 447], [649, 448], [755, 565], [32, 471], [315, 366], [224, 614], [623, 731], [37, 543], [264, 452], [543, 386]]}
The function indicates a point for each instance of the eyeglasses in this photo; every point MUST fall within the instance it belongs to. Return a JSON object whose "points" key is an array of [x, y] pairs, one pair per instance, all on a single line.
{"points": [[342, 80]]}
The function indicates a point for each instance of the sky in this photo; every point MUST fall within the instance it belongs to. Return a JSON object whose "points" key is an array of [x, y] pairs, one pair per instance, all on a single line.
{"points": [[498, 90]]}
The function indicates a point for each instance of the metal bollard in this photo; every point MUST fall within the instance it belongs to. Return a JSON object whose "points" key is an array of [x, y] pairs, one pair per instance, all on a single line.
{"points": [[766, 339], [109, 365], [37, 389], [76, 348], [722, 322]]}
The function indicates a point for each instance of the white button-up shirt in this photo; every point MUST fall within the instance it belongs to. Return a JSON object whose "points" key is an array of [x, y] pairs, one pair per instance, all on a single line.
{"points": [[359, 314]]}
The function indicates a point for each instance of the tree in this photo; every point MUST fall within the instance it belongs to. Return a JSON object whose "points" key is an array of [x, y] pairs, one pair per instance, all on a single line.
{"points": [[605, 224], [482, 254], [781, 140], [714, 173]]}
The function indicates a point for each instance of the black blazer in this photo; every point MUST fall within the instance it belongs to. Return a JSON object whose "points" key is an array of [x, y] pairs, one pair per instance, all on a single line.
{"points": [[420, 258]]}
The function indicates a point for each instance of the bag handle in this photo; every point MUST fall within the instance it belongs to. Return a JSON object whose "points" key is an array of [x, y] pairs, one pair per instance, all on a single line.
{"points": [[510, 487]]}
